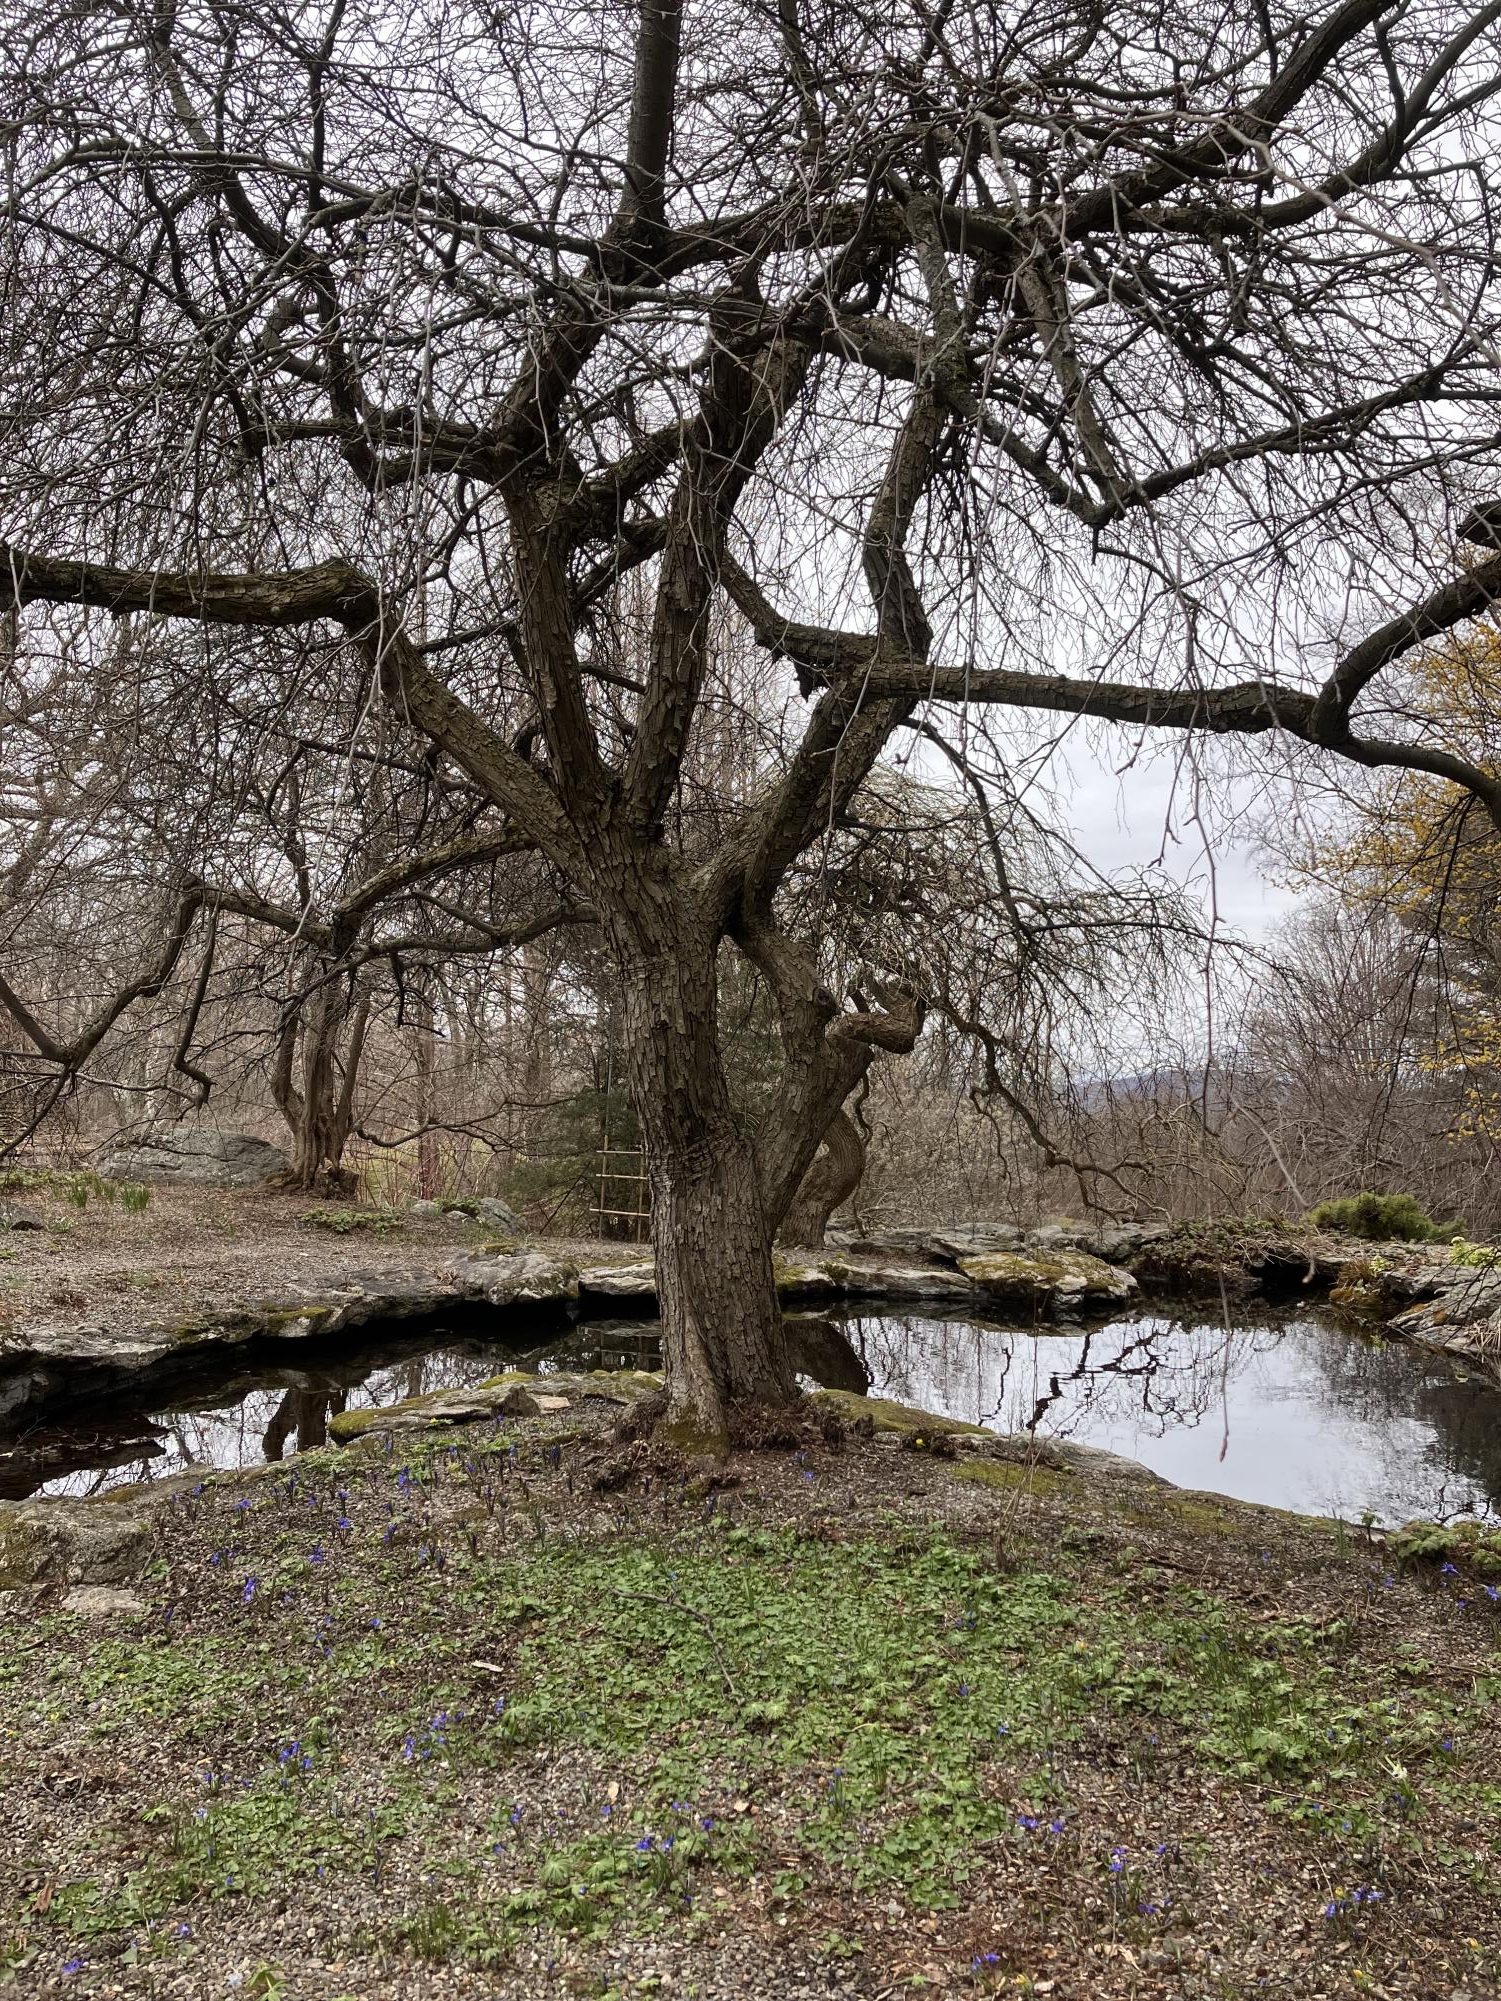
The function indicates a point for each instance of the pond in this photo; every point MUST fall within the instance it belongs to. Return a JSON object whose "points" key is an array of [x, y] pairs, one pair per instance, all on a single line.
{"points": [[1293, 1411]]}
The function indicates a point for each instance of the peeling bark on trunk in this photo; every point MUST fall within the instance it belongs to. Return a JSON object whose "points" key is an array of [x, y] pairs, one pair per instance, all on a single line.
{"points": [[721, 1323], [833, 1178]]}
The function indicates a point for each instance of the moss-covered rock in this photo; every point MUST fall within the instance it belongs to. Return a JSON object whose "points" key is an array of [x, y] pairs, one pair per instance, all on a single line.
{"points": [[1015, 1476], [69, 1542], [496, 1397], [1051, 1282], [884, 1415]]}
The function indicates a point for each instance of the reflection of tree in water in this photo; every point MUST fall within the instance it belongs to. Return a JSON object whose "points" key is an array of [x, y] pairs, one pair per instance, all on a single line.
{"points": [[264, 1423], [1167, 1372], [1396, 1390], [302, 1415], [1345, 1423]]}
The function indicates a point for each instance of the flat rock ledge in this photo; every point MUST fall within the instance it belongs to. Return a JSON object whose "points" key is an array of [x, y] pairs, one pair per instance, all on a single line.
{"points": [[41, 1364], [1052, 1281], [516, 1393]]}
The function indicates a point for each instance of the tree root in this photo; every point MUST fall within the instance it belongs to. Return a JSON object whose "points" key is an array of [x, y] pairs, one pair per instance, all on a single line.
{"points": [[750, 1427]]}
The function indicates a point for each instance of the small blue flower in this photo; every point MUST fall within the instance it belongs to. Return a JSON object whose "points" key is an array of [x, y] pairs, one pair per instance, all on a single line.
{"points": [[315, 1554], [1117, 1860], [1448, 1570], [251, 1586], [74, 1966]]}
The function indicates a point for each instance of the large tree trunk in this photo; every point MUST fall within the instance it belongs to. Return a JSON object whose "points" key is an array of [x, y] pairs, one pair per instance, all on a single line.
{"points": [[833, 1178], [722, 1336]]}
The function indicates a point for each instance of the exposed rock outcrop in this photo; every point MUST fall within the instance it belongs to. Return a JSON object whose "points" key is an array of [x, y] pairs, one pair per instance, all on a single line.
{"points": [[1053, 1282], [486, 1209], [199, 1154], [619, 1282], [45, 1365], [511, 1395]]}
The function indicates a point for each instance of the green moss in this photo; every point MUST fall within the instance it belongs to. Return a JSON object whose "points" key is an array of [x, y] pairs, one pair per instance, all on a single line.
{"points": [[1381, 1218], [345, 1222], [1204, 1517], [693, 1440], [1013, 1476], [792, 1278], [885, 1415]]}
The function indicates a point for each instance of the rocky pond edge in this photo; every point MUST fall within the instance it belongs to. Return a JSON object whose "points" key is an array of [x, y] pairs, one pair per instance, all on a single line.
{"points": [[1057, 1272]]}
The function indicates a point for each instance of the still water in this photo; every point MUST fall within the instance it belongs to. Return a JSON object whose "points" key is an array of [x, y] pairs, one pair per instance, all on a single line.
{"points": [[1295, 1412]]}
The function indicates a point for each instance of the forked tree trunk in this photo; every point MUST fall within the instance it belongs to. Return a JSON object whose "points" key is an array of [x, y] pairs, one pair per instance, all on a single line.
{"points": [[721, 1322], [321, 1113]]}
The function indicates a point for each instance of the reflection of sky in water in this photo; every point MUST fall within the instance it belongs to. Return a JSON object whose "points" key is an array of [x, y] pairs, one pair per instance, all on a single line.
{"points": [[225, 1434], [1297, 1414]]}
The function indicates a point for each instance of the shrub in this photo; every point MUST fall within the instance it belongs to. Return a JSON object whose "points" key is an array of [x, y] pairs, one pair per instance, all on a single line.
{"points": [[344, 1222], [1380, 1218]]}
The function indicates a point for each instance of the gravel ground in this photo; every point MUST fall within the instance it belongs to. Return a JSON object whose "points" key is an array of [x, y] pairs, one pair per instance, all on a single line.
{"points": [[196, 1250]]}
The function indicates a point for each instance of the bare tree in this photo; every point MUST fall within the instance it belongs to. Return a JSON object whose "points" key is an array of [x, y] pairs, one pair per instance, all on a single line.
{"points": [[1131, 347]]}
